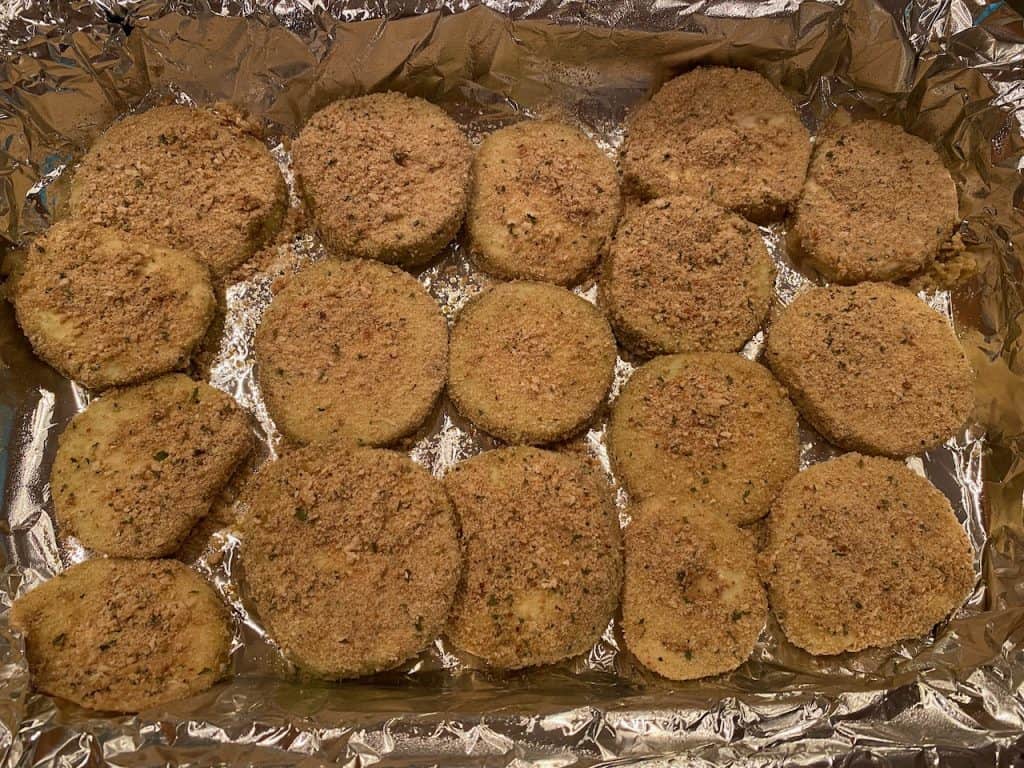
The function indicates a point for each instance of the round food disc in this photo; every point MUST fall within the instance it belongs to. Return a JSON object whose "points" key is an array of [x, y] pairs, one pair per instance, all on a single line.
{"points": [[709, 429], [138, 468], [863, 552], [722, 134], [386, 177], [872, 368], [543, 556], [185, 178], [544, 203], [530, 362], [351, 557], [693, 604], [105, 308], [353, 350], [686, 276], [877, 205], [124, 635]]}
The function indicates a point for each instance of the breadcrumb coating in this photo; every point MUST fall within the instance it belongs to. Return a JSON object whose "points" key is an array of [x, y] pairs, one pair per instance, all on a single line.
{"points": [[351, 557], [872, 368], [722, 134], [106, 308], [684, 275], [186, 178], [353, 350], [878, 204], [138, 468], [386, 177], [124, 635], [543, 204], [543, 556], [863, 552], [709, 429], [530, 362], [693, 604]]}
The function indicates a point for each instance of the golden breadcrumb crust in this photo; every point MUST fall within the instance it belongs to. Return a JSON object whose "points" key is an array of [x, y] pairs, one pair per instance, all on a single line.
{"points": [[863, 552], [705, 428], [722, 134], [530, 362], [353, 350], [124, 635], [139, 467], [386, 177], [693, 604], [543, 203], [189, 179], [878, 204], [106, 308], [872, 368], [684, 275], [351, 557], [543, 556]]}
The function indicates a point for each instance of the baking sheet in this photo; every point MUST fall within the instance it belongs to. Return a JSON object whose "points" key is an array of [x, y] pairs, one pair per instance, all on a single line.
{"points": [[949, 71]]}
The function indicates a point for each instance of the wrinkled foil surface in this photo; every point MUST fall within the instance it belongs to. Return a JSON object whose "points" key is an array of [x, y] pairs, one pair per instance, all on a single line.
{"points": [[950, 71]]}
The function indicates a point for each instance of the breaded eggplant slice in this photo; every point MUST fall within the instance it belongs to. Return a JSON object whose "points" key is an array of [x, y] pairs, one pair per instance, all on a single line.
{"points": [[873, 368], [189, 179], [124, 635], [877, 205], [709, 429], [863, 552], [693, 604], [386, 177], [139, 467], [351, 350], [543, 203], [719, 134], [351, 557], [543, 556], [684, 275], [106, 308], [530, 362]]}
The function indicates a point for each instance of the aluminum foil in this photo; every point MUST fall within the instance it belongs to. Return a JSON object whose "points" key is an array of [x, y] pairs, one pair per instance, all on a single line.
{"points": [[951, 71]]}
